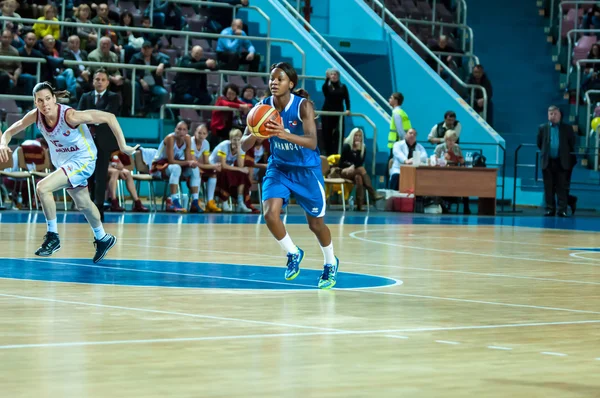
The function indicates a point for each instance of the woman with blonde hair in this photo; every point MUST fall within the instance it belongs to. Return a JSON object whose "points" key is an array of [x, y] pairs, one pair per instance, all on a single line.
{"points": [[352, 161], [41, 29]]}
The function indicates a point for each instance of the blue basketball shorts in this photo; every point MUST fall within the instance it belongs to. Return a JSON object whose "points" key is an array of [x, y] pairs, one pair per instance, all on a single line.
{"points": [[306, 184]]}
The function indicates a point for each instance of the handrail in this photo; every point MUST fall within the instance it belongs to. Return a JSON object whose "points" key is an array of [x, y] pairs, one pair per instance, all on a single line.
{"points": [[374, 93], [462, 11], [409, 21], [25, 60], [514, 204], [570, 43], [560, 19], [164, 32], [578, 88], [473, 87], [234, 11], [325, 113], [589, 118], [17, 97]]}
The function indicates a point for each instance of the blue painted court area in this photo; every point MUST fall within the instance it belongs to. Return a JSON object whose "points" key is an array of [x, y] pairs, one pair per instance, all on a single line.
{"points": [[175, 274], [579, 223]]}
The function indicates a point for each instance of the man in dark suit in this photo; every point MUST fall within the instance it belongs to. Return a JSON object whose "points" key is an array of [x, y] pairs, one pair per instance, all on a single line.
{"points": [[556, 142], [74, 53], [102, 99], [191, 88]]}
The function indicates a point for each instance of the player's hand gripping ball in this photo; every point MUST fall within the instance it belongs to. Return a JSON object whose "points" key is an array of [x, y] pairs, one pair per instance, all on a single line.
{"points": [[258, 118]]}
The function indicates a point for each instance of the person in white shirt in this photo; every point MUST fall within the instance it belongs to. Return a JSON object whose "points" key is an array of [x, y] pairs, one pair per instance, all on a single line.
{"points": [[403, 152], [201, 152], [438, 131], [233, 176]]}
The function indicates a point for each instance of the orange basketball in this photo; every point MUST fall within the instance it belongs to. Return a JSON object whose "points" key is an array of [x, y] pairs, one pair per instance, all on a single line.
{"points": [[258, 118]]}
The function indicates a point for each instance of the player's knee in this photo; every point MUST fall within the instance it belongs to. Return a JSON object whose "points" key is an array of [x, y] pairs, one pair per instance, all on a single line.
{"points": [[175, 170], [43, 188], [316, 225], [272, 215]]}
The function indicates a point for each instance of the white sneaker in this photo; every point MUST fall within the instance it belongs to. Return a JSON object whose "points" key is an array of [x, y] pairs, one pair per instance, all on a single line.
{"points": [[241, 208], [226, 207]]}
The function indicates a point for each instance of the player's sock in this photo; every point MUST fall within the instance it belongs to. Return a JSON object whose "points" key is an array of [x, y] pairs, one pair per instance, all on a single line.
{"points": [[99, 232], [194, 196], [211, 185], [240, 200], [289, 246], [52, 227], [328, 254], [175, 197]]}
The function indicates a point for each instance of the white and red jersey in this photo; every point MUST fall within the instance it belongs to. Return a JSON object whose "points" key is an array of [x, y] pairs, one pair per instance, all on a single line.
{"points": [[178, 151], [67, 143]]}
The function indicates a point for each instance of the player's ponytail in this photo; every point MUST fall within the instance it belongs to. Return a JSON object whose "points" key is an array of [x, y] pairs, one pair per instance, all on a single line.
{"points": [[47, 86], [302, 93]]}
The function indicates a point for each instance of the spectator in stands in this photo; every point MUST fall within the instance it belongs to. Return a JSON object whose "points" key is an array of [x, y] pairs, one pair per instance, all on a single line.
{"points": [[219, 17], [233, 176], [128, 40], [352, 163], [479, 77], [118, 83], [256, 162], [438, 131], [9, 70], [88, 36], [556, 141], [221, 122], [233, 52], [153, 38], [64, 77], [249, 95], [41, 29], [403, 152], [74, 53], [400, 122], [591, 69], [151, 82], [191, 88], [174, 160], [116, 172], [449, 150], [201, 151], [102, 18], [28, 78], [452, 62], [8, 10], [101, 98], [591, 18], [336, 94], [166, 15]]}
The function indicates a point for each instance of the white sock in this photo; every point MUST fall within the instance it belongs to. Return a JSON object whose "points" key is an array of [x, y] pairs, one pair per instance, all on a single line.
{"points": [[99, 232], [328, 254], [287, 244], [211, 185], [240, 199], [175, 196], [194, 196], [51, 224]]}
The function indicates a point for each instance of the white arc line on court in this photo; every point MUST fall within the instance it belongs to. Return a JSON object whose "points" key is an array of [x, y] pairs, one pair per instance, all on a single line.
{"points": [[447, 342], [495, 347], [394, 336], [556, 354], [425, 248]]}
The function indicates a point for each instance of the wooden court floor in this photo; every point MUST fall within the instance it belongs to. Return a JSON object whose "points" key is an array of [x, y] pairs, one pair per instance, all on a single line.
{"points": [[471, 311]]}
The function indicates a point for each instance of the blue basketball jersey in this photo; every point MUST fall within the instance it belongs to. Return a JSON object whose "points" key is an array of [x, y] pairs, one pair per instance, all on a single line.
{"points": [[285, 153]]}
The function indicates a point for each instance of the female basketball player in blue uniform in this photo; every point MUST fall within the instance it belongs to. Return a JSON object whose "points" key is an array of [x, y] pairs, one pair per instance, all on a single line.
{"points": [[294, 167]]}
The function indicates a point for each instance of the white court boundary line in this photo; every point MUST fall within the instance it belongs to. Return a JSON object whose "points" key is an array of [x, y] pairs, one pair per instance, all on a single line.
{"points": [[381, 265], [312, 287], [322, 330], [579, 254]]}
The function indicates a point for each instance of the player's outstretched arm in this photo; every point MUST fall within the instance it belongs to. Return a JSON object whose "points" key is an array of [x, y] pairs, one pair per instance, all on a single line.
{"points": [[248, 140], [18, 126], [75, 118], [309, 139]]}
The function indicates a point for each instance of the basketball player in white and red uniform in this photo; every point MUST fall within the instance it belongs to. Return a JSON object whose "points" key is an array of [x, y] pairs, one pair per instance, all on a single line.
{"points": [[73, 153]]}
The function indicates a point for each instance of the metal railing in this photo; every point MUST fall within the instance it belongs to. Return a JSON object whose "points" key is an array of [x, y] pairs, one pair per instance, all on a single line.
{"points": [[324, 43], [461, 11], [323, 113], [466, 30], [187, 34], [561, 9], [578, 88], [570, 44], [38, 72], [589, 123], [441, 64], [536, 168]]}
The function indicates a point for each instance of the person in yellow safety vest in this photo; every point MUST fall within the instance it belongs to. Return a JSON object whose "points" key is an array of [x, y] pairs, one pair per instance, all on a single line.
{"points": [[400, 123]]}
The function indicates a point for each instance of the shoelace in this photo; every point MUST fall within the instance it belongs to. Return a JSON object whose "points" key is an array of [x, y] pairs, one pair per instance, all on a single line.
{"points": [[46, 243], [291, 259], [326, 271]]}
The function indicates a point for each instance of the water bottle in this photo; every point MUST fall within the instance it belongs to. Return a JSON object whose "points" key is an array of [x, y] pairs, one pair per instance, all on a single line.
{"points": [[20, 201], [351, 203], [469, 159]]}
